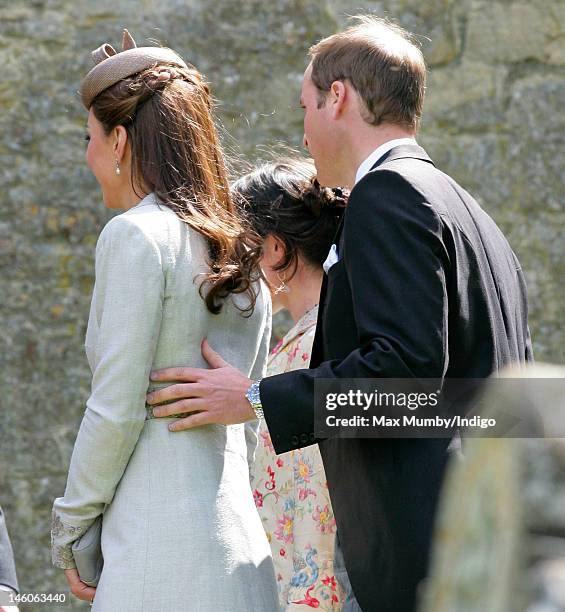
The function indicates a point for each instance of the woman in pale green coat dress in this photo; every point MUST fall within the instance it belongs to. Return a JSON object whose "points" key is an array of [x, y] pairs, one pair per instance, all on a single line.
{"points": [[169, 272]]}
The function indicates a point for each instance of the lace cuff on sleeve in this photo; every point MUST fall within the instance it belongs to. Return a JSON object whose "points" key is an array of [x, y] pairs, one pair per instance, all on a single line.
{"points": [[62, 538]]}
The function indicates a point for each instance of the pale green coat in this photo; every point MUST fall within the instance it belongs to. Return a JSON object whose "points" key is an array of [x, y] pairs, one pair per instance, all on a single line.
{"points": [[180, 529]]}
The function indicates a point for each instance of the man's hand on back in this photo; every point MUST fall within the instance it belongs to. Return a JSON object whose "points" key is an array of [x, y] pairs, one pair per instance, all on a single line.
{"points": [[216, 395]]}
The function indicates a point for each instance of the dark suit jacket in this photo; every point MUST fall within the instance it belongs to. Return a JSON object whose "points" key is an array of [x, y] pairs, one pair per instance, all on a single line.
{"points": [[427, 287], [7, 566]]}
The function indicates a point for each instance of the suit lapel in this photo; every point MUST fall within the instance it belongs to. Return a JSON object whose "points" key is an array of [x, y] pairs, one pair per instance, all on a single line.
{"points": [[400, 152], [317, 355]]}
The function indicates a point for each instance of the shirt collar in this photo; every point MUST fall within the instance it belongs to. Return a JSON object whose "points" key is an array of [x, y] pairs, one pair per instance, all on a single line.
{"points": [[370, 161]]}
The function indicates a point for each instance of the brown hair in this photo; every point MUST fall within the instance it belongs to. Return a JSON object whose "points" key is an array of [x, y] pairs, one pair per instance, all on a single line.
{"points": [[382, 63], [284, 199], [176, 154]]}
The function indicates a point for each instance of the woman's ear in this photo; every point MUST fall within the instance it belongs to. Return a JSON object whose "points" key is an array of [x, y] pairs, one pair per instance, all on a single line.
{"points": [[273, 250], [120, 137]]}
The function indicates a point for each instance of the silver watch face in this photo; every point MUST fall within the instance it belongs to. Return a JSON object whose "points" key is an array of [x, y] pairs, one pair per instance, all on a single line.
{"points": [[252, 395]]}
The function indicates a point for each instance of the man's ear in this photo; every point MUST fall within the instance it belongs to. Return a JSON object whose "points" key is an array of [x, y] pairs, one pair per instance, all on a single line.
{"points": [[120, 137], [338, 95]]}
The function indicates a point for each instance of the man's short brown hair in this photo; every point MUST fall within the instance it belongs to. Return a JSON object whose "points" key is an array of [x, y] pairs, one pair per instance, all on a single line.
{"points": [[382, 63]]}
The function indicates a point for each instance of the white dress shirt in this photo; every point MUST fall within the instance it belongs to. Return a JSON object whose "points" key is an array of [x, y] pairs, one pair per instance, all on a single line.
{"points": [[370, 161]]}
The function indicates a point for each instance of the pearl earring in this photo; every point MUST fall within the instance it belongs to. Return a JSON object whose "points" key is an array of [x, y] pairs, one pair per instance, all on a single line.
{"points": [[117, 167]]}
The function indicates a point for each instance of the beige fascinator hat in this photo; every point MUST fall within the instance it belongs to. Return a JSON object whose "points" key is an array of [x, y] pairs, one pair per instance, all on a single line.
{"points": [[112, 66]]}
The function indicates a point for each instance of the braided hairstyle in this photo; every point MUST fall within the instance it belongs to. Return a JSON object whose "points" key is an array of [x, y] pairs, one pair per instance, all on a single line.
{"points": [[283, 198], [176, 153]]}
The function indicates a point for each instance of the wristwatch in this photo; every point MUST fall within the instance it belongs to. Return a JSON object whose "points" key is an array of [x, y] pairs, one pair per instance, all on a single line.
{"points": [[255, 399]]}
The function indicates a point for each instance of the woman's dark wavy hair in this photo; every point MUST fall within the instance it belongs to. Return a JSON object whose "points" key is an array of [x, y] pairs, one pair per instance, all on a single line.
{"points": [[284, 199], [176, 153]]}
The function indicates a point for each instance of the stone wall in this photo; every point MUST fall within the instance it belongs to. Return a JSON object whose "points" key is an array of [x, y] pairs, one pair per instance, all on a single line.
{"points": [[493, 120], [500, 530]]}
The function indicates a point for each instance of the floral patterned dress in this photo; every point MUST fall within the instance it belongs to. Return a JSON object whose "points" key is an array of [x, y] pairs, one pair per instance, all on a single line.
{"points": [[291, 495]]}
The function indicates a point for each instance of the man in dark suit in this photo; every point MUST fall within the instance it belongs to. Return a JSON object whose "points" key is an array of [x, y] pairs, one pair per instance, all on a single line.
{"points": [[8, 579], [421, 283]]}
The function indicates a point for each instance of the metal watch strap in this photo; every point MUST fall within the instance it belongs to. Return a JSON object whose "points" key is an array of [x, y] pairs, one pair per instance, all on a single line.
{"points": [[254, 398]]}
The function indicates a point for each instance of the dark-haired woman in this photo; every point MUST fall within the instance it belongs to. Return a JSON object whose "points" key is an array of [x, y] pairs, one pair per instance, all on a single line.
{"points": [[169, 272], [295, 220]]}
